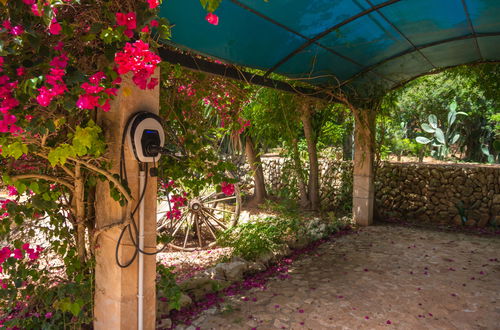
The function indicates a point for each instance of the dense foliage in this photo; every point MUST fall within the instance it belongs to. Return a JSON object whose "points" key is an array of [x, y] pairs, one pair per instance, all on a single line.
{"points": [[61, 64], [474, 90]]}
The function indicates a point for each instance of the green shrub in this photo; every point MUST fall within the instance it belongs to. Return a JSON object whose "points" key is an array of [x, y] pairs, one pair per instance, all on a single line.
{"points": [[252, 239], [167, 287]]}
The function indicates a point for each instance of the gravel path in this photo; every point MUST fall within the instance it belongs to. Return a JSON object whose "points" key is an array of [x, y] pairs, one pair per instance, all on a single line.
{"points": [[383, 277]]}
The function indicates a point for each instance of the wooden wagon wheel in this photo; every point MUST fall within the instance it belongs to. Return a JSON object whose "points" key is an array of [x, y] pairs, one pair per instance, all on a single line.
{"points": [[201, 220]]}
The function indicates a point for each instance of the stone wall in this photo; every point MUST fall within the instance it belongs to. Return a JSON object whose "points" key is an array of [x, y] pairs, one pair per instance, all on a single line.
{"points": [[335, 181], [439, 193], [434, 193]]}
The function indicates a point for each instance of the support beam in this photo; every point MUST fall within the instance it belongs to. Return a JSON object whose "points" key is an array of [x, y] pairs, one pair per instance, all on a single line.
{"points": [[116, 288], [364, 151]]}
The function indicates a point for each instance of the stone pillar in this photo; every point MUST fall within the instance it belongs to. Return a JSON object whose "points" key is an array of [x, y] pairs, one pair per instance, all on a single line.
{"points": [[116, 288], [364, 151]]}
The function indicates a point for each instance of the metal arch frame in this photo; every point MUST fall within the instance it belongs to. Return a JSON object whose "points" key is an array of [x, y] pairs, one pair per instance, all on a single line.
{"points": [[230, 71], [418, 48], [402, 34], [471, 27], [309, 40], [439, 70], [327, 31]]}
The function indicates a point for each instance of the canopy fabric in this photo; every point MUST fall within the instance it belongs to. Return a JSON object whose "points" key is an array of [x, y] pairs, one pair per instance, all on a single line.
{"points": [[365, 44]]}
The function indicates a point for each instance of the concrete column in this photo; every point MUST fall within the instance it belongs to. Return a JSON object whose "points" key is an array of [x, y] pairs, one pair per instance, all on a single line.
{"points": [[364, 151], [116, 288]]}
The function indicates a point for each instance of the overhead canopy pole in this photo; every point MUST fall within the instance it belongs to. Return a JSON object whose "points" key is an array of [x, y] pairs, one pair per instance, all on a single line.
{"points": [[231, 72]]}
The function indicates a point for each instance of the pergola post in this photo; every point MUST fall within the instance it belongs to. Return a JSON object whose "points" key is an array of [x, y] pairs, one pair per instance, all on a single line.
{"points": [[116, 288], [364, 151]]}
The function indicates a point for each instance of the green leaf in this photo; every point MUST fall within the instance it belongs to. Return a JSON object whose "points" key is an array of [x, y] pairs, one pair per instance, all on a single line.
{"points": [[439, 135], [485, 150], [455, 138], [433, 121], [60, 154], [210, 5], [453, 106], [15, 150], [76, 307], [452, 115], [423, 140], [35, 187], [88, 141], [426, 127]]}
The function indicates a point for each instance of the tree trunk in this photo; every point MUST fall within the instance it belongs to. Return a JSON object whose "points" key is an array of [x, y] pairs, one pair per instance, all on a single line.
{"points": [[348, 142], [304, 199], [313, 183], [255, 163], [80, 213]]}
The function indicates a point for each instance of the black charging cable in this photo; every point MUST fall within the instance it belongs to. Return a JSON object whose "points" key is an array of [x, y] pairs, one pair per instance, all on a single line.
{"points": [[123, 176]]}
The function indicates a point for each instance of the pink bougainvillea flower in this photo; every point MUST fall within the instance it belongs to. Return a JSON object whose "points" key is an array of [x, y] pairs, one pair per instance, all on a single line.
{"points": [[106, 106], [367, 317], [153, 3], [388, 322], [145, 29], [59, 46], [55, 28], [17, 30], [44, 97], [35, 10], [26, 246], [12, 191], [60, 61], [48, 315], [128, 20], [212, 19], [91, 89], [87, 101], [137, 58], [301, 311], [7, 25], [128, 33], [153, 82], [18, 254], [227, 188], [21, 71], [97, 77], [153, 23]]}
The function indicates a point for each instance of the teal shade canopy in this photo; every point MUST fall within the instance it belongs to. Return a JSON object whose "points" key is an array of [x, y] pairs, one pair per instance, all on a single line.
{"points": [[361, 44]]}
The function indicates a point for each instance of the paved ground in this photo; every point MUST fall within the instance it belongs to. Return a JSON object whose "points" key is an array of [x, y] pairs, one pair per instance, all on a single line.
{"points": [[384, 277]]}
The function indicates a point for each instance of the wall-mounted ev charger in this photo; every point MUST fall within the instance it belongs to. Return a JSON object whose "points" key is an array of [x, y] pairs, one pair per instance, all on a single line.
{"points": [[146, 137]]}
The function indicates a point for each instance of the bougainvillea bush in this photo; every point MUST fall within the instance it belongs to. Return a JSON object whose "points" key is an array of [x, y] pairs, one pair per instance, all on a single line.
{"points": [[61, 63]]}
